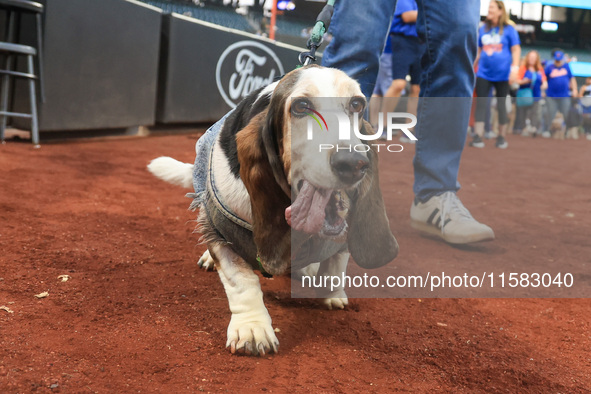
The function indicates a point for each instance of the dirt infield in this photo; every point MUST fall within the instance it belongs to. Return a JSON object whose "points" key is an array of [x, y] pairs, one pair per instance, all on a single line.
{"points": [[137, 315]]}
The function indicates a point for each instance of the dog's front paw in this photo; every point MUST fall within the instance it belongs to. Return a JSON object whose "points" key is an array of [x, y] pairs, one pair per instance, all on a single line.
{"points": [[252, 337], [206, 261], [337, 302]]}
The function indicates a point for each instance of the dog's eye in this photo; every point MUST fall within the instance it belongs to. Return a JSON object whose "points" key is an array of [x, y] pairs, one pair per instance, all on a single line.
{"points": [[357, 105], [300, 107]]}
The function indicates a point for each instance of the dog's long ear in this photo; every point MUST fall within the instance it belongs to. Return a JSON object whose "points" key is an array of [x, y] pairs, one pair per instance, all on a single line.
{"points": [[258, 170], [272, 137], [370, 240]]}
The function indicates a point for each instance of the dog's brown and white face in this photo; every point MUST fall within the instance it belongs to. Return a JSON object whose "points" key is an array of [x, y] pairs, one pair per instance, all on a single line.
{"points": [[316, 89], [269, 174], [318, 179]]}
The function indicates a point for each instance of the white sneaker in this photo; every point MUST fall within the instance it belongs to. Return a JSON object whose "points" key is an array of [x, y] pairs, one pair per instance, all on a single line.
{"points": [[477, 142], [501, 142], [588, 137], [446, 217]]}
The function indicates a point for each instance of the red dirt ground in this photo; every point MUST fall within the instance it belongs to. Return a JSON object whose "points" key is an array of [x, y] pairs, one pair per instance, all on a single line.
{"points": [[138, 315]]}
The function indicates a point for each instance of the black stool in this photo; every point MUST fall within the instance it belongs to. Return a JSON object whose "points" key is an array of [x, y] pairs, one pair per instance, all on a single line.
{"points": [[29, 52], [11, 49]]}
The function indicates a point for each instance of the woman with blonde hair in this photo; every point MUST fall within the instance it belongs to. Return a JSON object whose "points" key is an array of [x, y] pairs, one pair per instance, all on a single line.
{"points": [[498, 57], [532, 80]]}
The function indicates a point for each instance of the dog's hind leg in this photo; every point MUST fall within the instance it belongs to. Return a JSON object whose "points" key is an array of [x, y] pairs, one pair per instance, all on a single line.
{"points": [[250, 329], [573, 133], [206, 261]]}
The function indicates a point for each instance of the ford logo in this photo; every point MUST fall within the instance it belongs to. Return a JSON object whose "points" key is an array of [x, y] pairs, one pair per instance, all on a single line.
{"points": [[243, 67]]}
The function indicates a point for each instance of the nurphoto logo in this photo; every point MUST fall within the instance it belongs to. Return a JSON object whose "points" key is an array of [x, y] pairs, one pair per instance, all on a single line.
{"points": [[402, 121]]}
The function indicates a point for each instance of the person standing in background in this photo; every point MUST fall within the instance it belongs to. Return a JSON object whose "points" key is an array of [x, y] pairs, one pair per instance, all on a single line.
{"points": [[561, 86], [530, 77], [407, 50], [264, 27], [359, 29], [585, 95], [382, 84], [498, 57]]}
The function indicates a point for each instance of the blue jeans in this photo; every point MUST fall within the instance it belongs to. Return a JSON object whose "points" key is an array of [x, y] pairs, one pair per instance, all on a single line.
{"points": [[359, 30]]}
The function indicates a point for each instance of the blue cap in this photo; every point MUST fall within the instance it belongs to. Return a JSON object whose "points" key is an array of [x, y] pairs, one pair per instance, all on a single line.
{"points": [[558, 55]]}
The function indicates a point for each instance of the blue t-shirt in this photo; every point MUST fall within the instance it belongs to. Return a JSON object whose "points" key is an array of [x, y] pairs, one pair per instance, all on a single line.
{"points": [[398, 25], [537, 88], [558, 80], [495, 56]]}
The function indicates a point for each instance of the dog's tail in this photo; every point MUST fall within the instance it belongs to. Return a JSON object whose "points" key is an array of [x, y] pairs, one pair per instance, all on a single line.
{"points": [[172, 171]]}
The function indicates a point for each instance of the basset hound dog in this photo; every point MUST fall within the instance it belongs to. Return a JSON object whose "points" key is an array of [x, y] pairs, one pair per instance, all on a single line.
{"points": [[269, 199]]}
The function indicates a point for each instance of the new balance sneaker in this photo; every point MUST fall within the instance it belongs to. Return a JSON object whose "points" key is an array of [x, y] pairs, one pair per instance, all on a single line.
{"points": [[501, 142], [477, 142], [445, 216]]}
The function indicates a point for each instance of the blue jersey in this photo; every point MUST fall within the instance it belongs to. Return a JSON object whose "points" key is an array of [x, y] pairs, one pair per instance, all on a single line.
{"points": [[398, 25], [558, 80], [537, 88], [495, 56]]}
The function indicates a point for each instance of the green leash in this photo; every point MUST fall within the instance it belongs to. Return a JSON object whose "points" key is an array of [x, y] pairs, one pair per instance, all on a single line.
{"points": [[260, 268], [305, 58], [315, 40], [322, 22]]}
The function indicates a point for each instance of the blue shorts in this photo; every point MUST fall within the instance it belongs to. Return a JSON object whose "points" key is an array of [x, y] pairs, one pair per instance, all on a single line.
{"points": [[406, 57], [384, 75]]}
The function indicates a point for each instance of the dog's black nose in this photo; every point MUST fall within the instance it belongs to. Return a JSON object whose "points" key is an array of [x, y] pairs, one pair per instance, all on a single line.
{"points": [[350, 167]]}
